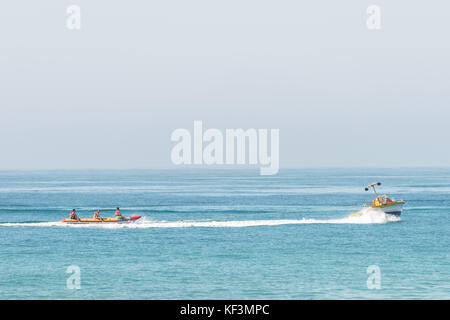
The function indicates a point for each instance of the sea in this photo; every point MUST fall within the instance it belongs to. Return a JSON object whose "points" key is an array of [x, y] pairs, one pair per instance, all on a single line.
{"points": [[225, 234]]}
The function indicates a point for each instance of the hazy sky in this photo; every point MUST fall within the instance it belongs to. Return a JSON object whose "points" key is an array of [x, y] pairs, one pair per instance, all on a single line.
{"points": [[109, 95]]}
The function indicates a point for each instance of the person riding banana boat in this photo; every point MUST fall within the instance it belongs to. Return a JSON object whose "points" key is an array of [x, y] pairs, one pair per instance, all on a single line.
{"points": [[387, 205], [73, 215], [119, 215], [97, 215]]}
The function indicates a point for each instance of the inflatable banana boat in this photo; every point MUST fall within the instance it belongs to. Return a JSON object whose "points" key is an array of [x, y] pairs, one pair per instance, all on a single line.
{"points": [[105, 220]]}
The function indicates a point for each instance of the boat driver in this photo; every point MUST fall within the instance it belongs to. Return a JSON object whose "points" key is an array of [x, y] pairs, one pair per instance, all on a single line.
{"points": [[378, 201]]}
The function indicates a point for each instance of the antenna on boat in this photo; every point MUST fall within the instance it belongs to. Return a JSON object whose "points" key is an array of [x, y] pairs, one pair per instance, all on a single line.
{"points": [[373, 187]]}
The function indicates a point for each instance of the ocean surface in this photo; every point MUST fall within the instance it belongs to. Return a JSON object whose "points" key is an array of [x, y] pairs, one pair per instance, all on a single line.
{"points": [[224, 234]]}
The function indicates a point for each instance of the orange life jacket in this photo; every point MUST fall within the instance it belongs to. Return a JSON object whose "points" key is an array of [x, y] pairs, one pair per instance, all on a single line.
{"points": [[378, 201]]}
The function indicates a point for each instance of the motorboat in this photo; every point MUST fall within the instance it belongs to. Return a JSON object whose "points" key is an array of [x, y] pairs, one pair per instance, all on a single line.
{"points": [[383, 203]]}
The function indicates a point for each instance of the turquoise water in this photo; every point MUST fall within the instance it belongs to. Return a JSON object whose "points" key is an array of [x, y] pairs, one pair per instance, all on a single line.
{"points": [[224, 234]]}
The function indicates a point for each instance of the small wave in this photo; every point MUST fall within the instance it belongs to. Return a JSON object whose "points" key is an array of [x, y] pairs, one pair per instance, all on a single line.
{"points": [[367, 216]]}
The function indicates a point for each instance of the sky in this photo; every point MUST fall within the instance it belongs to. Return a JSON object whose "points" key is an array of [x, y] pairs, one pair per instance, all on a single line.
{"points": [[110, 94]]}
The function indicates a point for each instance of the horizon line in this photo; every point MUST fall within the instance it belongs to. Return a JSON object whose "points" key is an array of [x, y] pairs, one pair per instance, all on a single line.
{"points": [[227, 168]]}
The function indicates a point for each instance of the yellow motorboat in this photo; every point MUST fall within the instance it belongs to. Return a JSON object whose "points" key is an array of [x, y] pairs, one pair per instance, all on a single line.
{"points": [[384, 204]]}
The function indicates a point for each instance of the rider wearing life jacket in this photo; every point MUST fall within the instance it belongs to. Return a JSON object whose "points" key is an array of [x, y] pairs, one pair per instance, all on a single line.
{"points": [[378, 201], [97, 215], [74, 216], [119, 215]]}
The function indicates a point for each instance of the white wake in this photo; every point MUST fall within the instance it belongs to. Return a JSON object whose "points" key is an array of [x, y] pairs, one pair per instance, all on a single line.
{"points": [[367, 216]]}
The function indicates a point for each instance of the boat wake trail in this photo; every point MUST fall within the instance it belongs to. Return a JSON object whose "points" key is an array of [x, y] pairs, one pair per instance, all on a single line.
{"points": [[367, 216]]}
